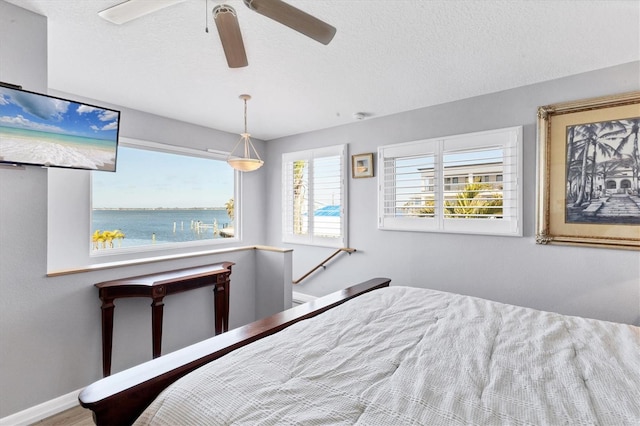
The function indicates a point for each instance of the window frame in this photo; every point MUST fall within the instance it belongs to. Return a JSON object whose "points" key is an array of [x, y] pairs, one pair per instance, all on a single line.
{"points": [[131, 252], [508, 139], [69, 209], [287, 210]]}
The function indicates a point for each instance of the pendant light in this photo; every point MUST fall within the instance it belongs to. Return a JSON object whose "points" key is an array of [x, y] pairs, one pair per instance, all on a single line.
{"points": [[245, 163]]}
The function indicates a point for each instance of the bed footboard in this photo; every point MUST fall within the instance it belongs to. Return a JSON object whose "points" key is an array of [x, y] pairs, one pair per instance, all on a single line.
{"points": [[119, 399]]}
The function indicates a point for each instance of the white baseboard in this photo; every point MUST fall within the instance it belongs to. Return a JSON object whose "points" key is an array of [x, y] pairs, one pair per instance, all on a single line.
{"points": [[299, 298], [42, 411]]}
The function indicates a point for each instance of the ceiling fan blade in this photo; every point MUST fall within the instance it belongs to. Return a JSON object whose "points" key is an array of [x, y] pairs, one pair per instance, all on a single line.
{"points": [[230, 36], [133, 9], [293, 18]]}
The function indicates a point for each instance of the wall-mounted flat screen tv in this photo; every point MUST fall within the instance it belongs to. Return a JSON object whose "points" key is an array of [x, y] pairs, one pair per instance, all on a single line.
{"points": [[43, 130]]}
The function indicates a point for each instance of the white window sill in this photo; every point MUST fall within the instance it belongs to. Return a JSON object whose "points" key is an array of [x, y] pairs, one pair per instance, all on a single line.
{"points": [[118, 264]]}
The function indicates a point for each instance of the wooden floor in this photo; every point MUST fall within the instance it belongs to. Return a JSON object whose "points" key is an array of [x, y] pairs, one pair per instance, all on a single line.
{"points": [[76, 416]]}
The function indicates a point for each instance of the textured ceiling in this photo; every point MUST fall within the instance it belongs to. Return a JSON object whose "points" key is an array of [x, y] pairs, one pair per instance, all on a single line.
{"points": [[388, 56]]}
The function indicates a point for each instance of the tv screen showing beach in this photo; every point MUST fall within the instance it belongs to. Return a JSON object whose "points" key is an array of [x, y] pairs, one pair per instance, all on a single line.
{"points": [[48, 131]]}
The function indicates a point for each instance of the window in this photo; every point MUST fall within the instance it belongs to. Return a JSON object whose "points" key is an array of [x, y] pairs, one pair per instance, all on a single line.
{"points": [[159, 196], [314, 197], [466, 183]]}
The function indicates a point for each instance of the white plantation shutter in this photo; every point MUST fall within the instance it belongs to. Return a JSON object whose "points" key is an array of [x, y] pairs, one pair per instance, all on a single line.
{"points": [[466, 183], [327, 195], [314, 197], [292, 223], [408, 190]]}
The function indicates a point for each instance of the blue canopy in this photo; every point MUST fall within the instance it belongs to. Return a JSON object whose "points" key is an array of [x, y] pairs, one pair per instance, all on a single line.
{"points": [[333, 211]]}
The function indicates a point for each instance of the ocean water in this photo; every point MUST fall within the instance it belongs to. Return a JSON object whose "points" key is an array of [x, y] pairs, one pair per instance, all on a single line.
{"points": [[37, 135], [139, 226]]}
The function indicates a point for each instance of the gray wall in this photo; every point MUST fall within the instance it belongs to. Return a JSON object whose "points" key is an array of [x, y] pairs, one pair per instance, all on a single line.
{"points": [[590, 282], [50, 340], [50, 327]]}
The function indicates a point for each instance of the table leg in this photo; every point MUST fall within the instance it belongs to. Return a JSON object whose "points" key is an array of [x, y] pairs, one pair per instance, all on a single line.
{"points": [[226, 306], [107, 335], [221, 306], [156, 320]]}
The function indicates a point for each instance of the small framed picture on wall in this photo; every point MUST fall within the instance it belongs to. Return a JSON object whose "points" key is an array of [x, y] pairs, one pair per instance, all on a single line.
{"points": [[362, 165]]}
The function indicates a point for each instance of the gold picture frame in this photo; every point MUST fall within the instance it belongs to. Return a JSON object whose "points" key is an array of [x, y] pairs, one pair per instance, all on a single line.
{"points": [[585, 198], [362, 165]]}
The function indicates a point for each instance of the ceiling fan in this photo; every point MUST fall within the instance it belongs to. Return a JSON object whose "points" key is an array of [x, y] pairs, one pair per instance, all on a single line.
{"points": [[226, 21]]}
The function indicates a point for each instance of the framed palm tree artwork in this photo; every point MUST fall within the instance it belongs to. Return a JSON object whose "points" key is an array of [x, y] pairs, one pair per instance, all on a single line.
{"points": [[588, 189]]}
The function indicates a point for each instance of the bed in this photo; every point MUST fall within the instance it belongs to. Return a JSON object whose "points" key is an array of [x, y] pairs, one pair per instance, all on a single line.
{"points": [[389, 355]]}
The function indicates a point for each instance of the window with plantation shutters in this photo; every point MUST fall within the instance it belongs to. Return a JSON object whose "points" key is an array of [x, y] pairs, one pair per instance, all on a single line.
{"points": [[465, 183], [314, 197]]}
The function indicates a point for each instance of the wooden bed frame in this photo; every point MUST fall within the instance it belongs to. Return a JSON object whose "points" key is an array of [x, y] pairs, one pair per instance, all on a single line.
{"points": [[121, 398]]}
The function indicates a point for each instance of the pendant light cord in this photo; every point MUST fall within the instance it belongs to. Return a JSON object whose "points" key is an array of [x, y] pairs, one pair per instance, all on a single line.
{"points": [[245, 115], [206, 19]]}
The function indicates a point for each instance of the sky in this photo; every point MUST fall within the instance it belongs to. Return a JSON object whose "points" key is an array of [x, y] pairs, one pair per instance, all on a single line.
{"points": [[152, 179], [31, 111]]}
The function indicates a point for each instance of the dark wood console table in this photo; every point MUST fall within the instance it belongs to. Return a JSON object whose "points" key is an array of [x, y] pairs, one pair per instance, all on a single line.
{"points": [[156, 287]]}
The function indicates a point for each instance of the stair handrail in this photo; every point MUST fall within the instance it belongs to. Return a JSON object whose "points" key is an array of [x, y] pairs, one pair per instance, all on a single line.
{"points": [[322, 264]]}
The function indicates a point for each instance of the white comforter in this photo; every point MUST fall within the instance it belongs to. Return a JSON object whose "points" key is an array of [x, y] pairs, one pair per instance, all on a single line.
{"points": [[402, 356]]}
